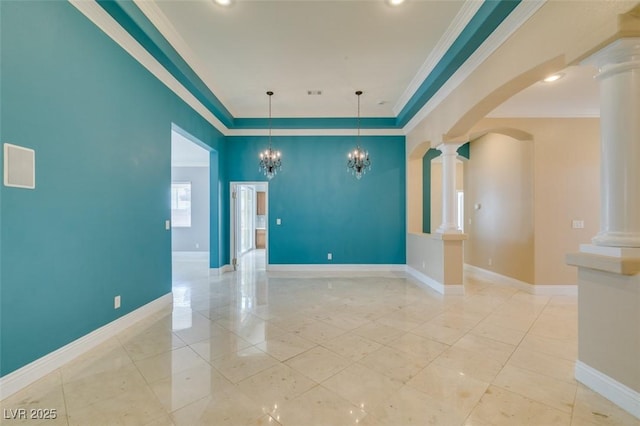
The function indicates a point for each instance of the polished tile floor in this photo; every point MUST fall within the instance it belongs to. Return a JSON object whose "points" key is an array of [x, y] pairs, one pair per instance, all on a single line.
{"points": [[301, 349]]}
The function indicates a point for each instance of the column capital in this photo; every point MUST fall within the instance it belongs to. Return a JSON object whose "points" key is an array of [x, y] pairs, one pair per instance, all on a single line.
{"points": [[449, 148], [618, 56]]}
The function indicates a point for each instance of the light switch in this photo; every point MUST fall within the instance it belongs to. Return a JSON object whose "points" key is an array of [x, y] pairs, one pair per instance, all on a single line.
{"points": [[278, 221], [167, 224]]}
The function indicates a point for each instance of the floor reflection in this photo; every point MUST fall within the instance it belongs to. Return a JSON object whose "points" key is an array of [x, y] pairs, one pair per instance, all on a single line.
{"points": [[290, 348]]}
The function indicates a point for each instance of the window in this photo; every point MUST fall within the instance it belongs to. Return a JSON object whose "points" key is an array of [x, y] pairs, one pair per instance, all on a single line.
{"points": [[181, 204]]}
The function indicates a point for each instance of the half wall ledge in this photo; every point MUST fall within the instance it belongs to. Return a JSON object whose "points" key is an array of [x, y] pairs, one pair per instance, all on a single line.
{"points": [[609, 323], [616, 265], [437, 260]]}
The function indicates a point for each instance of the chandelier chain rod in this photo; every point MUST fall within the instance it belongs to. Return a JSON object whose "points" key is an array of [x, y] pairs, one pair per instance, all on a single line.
{"points": [[358, 142], [270, 122]]}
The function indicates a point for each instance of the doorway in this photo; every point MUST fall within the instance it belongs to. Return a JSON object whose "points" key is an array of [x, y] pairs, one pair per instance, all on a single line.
{"points": [[190, 198], [249, 225]]}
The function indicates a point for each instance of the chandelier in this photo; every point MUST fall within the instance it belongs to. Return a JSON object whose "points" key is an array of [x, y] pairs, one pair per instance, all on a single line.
{"points": [[270, 162], [358, 163]]}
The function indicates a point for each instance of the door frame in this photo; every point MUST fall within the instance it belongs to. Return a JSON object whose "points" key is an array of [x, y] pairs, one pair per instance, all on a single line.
{"points": [[233, 220], [209, 166]]}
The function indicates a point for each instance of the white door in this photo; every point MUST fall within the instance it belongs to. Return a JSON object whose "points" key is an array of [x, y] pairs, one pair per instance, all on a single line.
{"points": [[243, 199]]}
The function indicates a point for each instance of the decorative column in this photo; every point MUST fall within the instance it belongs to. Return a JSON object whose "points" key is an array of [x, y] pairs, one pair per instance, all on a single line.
{"points": [[619, 79], [449, 199], [437, 259], [609, 269]]}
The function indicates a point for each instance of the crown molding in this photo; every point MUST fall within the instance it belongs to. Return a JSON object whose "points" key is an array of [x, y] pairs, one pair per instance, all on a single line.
{"points": [[594, 113], [315, 132], [95, 13], [512, 22], [151, 10], [114, 30], [460, 21]]}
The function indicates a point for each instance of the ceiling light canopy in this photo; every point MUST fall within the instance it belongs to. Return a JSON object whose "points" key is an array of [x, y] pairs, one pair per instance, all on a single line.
{"points": [[554, 77]]}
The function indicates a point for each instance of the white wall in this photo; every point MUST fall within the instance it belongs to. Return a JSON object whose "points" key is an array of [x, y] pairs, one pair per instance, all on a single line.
{"points": [[195, 238]]}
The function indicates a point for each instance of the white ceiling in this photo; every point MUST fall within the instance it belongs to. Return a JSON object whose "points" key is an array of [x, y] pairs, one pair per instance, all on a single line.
{"points": [[291, 47], [574, 95], [336, 46]]}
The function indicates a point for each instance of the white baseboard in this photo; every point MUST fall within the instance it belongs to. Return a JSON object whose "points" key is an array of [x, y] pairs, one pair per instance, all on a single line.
{"points": [[221, 270], [621, 395], [327, 267], [433, 284], [541, 290], [190, 255], [556, 290], [23, 377]]}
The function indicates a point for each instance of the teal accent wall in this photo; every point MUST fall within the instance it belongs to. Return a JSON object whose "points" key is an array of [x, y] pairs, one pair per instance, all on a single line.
{"points": [[323, 208], [426, 188], [94, 226], [432, 153], [465, 150]]}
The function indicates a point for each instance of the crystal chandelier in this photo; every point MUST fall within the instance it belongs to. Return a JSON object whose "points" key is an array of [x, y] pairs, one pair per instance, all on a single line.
{"points": [[358, 163], [270, 162]]}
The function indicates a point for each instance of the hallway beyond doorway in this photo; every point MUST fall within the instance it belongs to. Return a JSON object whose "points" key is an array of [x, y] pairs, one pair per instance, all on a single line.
{"points": [[253, 259]]}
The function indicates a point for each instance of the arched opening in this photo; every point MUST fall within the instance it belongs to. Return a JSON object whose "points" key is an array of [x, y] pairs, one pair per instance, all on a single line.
{"points": [[415, 188], [566, 185], [499, 189], [432, 187]]}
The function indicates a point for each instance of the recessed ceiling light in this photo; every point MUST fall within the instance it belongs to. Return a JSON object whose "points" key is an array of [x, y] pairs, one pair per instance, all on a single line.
{"points": [[554, 77], [223, 2], [395, 2]]}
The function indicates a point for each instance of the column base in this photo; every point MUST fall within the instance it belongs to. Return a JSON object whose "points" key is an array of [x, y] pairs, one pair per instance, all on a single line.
{"points": [[617, 239], [619, 252], [445, 229]]}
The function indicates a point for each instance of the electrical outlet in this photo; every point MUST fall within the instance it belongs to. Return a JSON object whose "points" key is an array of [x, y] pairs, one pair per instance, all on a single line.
{"points": [[490, 262], [116, 302], [197, 245], [167, 224], [577, 224], [329, 256], [278, 221]]}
